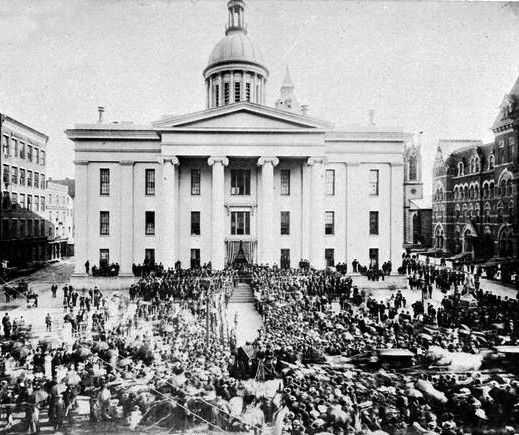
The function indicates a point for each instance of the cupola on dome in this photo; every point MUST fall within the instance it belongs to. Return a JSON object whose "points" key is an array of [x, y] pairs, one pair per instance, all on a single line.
{"points": [[235, 70]]}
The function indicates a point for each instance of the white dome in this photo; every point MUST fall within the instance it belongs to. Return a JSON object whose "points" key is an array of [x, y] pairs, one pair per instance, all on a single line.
{"points": [[236, 46]]}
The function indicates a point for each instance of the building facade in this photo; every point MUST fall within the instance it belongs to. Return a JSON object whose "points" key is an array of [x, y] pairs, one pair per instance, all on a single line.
{"points": [[60, 215], [239, 176], [23, 234], [414, 214], [475, 191]]}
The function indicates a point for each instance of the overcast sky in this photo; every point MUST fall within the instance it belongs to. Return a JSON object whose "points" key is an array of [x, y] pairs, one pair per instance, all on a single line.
{"points": [[440, 68]]}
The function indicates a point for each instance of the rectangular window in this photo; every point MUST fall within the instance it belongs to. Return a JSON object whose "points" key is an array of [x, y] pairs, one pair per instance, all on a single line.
{"points": [[29, 153], [36, 180], [285, 181], [29, 202], [13, 231], [5, 174], [22, 200], [149, 255], [373, 182], [29, 228], [240, 182], [247, 91], [217, 95], [36, 203], [21, 224], [195, 223], [29, 178], [373, 258], [42, 203], [22, 177], [237, 92], [14, 200], [150, 223], [14, 175], [284, 261], [5, 228], [5, 200], [42, 182], [226, 93], [42, 158], [15, 147], [329, 255], [195, 181], [42, 227], [330, 181], [37, 156], [195, 258], [36, 227], [285, 222], [104, 181], [373, 222], [150, 181], [240, 223], [329, 222], [104, 257], [22, 150], [104, 223], [5, 145]]}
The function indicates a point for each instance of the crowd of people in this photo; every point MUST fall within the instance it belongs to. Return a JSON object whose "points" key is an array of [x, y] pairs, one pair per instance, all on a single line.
{"points": [[166, 354]]}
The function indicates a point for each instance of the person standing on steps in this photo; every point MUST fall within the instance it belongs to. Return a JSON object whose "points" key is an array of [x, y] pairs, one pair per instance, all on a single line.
{"points": [[87, 267]]}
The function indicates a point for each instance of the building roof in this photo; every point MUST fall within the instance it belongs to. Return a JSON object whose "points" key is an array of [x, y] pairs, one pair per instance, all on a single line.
{"points": [[24, 126], [70, 183], [509, 109]]}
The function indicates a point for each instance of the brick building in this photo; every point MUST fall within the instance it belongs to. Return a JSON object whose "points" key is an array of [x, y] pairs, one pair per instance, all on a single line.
{"points": [[23, 232], [475, 190]]}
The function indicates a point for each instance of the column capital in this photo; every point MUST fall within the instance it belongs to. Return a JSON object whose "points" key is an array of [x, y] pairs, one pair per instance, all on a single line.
{"points": [[217, 159], [263, 160], [170, 159], [315, 160], [126, 162]]}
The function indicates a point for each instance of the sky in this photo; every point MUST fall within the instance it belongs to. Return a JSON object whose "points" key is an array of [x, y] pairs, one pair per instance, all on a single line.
{"points": [[437, 67]]}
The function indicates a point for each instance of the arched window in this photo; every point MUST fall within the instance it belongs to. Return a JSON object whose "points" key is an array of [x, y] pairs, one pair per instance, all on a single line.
{"points": [[442, 212], [460, 169], [502, 188], [457, 240], [487, 212], [499, 209], [511, 209], [476, 191], [471, 211], [509, 187], [413, 167], [485, 190], [455, 192], [478, 210], [457, 212], [438, 236], [471, 192], [491, 162], [478, 165], [465, 193], [491, 190]]}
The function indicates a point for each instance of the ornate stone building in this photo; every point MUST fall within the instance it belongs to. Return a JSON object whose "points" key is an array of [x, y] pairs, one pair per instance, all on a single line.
{"points": [[475, 190], [238, 176]]}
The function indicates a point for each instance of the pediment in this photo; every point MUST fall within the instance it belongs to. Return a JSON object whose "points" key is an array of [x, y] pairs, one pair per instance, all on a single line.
{"points": [[242, 116]]}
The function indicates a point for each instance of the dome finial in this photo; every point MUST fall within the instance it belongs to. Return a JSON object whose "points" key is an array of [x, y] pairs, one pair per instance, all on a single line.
{"points": [[236, 16]]}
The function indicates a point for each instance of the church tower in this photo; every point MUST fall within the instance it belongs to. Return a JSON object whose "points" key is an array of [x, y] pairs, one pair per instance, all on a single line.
{"points": [[235, 71], [413, 188]]}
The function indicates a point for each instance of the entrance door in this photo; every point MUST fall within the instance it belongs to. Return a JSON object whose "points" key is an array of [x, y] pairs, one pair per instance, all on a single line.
{"points": [[195, 259], [284, 261], [373, 258]]}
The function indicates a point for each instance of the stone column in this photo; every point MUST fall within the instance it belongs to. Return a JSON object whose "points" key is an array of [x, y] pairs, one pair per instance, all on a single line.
{"points": [[218, 164], [81, 219], [126, 219], [316, 212], [306, 205], [169, 237], [266, 254], [356, 194], [396, 205]]}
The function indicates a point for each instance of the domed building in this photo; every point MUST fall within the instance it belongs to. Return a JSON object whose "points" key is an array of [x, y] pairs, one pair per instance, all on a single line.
{"points": [[238, 177]]}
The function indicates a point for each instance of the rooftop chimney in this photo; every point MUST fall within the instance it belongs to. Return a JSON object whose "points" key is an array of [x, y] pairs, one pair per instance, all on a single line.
{"points": [[371, 113], [304, 109], [101, 110]]}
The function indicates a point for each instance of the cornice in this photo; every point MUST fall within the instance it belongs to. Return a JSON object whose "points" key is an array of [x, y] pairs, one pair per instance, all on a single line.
{"points": [[125, 134]]}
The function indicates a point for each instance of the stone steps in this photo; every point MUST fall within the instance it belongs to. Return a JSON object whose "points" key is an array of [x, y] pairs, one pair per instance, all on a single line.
{"points": [[242, 294]]}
